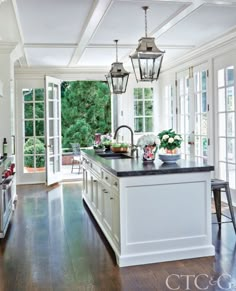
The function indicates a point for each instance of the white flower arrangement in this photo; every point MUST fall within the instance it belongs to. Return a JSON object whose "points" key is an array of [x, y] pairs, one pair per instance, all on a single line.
{"points": [[148, 139]]}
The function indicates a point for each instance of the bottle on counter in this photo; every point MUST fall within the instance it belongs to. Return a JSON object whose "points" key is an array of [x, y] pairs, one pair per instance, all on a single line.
{"points": [[4, 147]]}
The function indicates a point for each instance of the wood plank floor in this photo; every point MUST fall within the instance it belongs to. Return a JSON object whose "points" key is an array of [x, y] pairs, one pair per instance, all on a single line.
{"points": [[53, 243]]}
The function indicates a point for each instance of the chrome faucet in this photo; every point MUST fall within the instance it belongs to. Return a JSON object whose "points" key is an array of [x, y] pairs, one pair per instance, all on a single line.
{"points": [[133, 147]]}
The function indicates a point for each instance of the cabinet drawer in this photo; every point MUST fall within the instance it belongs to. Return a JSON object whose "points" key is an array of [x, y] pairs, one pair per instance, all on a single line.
{"points": [[115, 184], [95, 168], [106, 177]]}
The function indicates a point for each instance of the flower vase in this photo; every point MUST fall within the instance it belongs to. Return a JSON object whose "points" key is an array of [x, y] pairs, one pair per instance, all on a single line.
{"points": [[149, 153]]}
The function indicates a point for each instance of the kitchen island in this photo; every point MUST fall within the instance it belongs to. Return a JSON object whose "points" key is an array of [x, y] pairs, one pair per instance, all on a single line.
{"points": [[150, 212]]}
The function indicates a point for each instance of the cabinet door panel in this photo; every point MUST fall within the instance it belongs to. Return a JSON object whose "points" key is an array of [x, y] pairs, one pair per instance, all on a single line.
{"points": [[99, 200], [94, 192], [116, 218], [107, 211]]}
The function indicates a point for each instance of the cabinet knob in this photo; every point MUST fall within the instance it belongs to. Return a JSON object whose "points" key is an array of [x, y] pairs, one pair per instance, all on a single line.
{"points": [[111, 198], [115, 184], [106, 178], [94, 181]]}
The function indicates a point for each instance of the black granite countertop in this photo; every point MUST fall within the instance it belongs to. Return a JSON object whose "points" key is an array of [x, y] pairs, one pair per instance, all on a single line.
{"points": [[136, 166]]}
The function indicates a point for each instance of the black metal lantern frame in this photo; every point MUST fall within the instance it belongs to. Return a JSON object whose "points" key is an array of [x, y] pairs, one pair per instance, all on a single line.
{"points": [[147, 58], [117, 77]]}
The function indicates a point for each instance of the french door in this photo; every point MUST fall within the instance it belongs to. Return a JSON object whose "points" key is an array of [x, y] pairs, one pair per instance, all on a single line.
{"points": [[192, 108], [225, 80], [53, 130]]}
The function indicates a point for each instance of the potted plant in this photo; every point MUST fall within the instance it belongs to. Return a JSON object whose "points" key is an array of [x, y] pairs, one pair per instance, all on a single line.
{"points": [[119, 147], [170, 142]]}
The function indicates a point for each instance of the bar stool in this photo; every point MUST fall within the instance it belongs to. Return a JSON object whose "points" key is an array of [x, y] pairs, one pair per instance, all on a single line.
{"points": [[216, 187]]}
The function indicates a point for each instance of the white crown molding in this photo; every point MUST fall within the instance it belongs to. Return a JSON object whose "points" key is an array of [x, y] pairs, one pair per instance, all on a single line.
{"points": [[7, 47], [212, 49]]}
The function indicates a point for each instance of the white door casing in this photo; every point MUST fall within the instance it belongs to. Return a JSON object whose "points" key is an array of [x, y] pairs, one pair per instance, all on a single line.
{"points": [[53, 130]]}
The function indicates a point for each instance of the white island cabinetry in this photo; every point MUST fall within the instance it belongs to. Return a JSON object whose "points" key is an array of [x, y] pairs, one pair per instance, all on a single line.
{"points": [[101, 195], [152, 214]]}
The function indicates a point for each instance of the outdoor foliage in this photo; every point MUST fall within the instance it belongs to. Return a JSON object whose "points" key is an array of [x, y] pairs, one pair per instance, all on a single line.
{"points": [[34, 146], [86, 110]]}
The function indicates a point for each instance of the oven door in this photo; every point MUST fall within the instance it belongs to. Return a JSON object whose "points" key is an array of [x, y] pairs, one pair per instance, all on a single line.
{"points": [[6, 203]]}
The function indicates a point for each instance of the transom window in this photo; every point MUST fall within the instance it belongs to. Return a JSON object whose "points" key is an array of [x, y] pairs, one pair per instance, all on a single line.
{"points": [[143, 109]]}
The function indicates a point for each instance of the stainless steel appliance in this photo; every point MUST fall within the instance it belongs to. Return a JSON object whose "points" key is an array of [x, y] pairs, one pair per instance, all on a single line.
{"points": [[7, 193]]}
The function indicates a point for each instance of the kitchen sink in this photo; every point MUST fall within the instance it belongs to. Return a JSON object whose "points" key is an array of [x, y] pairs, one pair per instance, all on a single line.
{"points": [[113, 156]]}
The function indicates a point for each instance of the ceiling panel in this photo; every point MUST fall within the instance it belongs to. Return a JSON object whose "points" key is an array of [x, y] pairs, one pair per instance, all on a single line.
{"points": [[49, 56], [102, 56], [53, 21], [203, 25], [125, 20]]}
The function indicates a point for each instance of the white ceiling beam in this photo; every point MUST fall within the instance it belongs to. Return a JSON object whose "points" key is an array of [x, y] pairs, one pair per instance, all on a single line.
{"points": [[98, 11], [23, 61], [177, 18]]}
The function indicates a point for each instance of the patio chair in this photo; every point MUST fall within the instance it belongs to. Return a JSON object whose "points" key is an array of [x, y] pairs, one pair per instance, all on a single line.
{"points": [[76, 160]]}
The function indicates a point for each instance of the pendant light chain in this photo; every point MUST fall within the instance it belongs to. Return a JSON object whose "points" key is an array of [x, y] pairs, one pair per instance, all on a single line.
{"points": [[145, 8], [116, 41]]}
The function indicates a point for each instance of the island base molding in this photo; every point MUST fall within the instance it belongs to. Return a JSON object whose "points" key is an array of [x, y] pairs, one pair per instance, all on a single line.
{"points": [[159, 257]]}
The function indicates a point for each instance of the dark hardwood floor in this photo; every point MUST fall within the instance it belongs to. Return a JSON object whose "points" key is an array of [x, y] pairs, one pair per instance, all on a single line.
{"points": [[53, 243]]}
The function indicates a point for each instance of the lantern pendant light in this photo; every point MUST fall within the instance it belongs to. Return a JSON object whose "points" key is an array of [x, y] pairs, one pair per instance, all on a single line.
{"points": [[117, 77], [147, 59]]}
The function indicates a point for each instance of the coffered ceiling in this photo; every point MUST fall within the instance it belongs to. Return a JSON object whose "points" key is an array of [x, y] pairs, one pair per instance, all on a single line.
{"points": [[80, 33]]}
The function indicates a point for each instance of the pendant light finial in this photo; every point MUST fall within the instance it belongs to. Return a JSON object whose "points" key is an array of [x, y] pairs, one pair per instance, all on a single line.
{"points": [[147, 58], [117, 77]]}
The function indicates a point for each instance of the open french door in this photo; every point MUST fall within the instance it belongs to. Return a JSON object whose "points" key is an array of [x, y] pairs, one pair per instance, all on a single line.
{"points": [[53, 130]]}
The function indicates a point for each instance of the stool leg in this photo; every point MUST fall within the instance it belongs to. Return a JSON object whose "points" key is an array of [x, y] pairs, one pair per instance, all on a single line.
{"points": [[72, 166], [217, 199], [227, 190]]}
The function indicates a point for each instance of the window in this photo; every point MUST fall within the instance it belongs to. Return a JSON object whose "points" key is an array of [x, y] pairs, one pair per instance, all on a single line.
{"points": [[169, 99], [184, 112], [143, 109], [33, 130], [200, 97], [226, 125]]}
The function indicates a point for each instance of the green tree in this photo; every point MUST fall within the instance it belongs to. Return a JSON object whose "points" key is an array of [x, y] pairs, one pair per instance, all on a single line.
{"points": [[86, 109]]}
